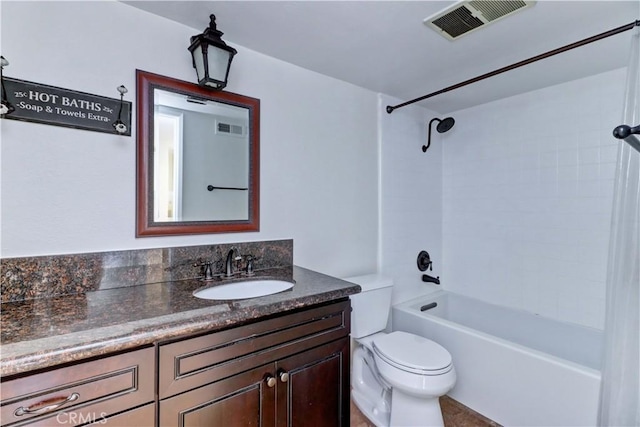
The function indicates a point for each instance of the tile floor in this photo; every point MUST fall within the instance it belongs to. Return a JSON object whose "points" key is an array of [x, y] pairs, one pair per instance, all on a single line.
{"points": [[455, 414]]}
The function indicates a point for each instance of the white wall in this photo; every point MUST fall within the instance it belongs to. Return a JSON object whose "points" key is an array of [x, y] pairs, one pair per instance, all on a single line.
{"points": [[411, 196], [213, 158], [69, 191], [527, 196]]}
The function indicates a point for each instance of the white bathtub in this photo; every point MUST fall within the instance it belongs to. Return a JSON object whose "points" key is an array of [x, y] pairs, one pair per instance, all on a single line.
{"points": [[517, 368]]}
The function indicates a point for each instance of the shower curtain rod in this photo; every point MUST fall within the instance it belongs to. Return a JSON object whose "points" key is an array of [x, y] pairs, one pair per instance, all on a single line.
{"points": [[548, 54]]}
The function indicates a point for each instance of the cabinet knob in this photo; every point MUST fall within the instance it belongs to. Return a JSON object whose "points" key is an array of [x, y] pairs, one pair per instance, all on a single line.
{"points": [[284, 376], [271, 382]]}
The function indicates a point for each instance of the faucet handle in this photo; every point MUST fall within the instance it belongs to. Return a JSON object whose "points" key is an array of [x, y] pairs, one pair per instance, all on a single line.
{"points": [[424, 261], [207, 269], [249, 271]]}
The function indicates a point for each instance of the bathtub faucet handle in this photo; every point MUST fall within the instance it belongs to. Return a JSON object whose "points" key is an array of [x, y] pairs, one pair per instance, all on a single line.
{"points": [[424, 261]]}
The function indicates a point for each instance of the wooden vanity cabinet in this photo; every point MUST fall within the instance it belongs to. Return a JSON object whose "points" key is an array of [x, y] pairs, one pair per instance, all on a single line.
{"points": [[283, 370], [290, 370]]}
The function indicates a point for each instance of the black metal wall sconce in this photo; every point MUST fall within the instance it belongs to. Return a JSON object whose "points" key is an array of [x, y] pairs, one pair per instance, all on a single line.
{"points": [[444, 125], [5, 105], [211, 57]]}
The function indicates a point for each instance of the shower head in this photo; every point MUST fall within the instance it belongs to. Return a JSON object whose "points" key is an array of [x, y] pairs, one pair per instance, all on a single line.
{"points": [[443, 126]]}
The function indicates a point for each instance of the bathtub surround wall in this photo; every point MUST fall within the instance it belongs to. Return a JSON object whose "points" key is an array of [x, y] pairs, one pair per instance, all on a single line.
{"points": [[411, 196], [55, 275], [67, 191], [527, 196]]}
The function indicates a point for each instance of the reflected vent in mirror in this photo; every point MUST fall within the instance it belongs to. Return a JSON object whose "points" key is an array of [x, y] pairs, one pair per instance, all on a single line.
{"points": [[229, 129], [466, 16]]}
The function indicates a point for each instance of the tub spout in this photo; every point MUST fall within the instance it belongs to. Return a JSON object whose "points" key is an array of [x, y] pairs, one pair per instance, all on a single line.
{"points": [[429, 279]]}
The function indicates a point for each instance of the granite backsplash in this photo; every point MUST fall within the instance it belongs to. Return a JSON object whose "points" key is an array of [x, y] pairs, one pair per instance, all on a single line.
{"points": [[56, 275]]}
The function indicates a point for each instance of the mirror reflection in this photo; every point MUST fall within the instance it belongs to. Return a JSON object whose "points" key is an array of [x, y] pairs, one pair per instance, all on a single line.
{"points": [[200, 159], [198, 168]]}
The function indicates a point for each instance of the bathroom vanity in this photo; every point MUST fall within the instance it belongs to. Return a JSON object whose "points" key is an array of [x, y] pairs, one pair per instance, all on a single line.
{"points": [[289, 370], [153, 354]]}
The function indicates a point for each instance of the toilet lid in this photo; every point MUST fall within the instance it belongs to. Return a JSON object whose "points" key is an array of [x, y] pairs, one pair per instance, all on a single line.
{"points": [[413, 353]]}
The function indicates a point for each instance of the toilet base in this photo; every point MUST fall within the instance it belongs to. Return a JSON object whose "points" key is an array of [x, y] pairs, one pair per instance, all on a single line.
{"points": [[408, 410], [375, 412], [388, 396]]}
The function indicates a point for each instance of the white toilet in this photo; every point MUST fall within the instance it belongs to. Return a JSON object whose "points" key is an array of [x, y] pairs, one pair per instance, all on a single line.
{"points": [[396, 378]]}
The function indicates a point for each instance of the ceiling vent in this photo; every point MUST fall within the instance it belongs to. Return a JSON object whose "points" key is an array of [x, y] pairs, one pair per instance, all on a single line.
{"points": [[466, 16]]}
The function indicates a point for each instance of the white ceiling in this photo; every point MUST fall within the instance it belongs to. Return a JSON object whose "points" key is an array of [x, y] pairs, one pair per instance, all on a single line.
{"points": [[384, 46]]}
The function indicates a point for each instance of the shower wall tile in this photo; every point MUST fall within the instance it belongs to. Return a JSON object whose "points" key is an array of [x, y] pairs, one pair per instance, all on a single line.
{"points": [[411, 197], [527, 196]]}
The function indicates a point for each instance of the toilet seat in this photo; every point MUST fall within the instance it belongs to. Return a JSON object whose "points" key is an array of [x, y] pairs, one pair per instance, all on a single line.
{"points": [[412, 353]]}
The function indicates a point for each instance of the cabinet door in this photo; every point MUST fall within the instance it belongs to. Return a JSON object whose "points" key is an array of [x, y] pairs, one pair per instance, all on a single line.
{"points": [[243, 400], [313, 387]]}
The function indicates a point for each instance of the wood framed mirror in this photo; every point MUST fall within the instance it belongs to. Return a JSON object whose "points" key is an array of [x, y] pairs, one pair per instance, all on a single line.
{"points": [[198, 159]]}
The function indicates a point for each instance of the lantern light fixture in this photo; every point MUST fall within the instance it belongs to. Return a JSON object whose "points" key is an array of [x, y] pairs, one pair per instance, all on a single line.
{"points": [[211, 57]]}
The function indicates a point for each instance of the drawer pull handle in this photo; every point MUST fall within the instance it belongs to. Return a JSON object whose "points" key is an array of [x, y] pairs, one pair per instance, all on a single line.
{"points": [[48, 408], [271, 382], [284, 376]]}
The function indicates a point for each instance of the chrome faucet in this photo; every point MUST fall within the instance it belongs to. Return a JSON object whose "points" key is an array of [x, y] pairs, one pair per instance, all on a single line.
{"points": [[228, 266]]}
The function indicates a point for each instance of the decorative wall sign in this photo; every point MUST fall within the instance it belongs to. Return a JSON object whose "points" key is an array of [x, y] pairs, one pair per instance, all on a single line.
{"points": [[39, 103]]}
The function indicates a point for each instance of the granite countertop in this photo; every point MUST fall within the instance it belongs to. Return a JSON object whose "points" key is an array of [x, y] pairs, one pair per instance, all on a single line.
{"points": [[40, 333]]}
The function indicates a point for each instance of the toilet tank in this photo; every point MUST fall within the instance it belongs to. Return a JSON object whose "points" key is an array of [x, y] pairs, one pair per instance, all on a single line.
{"points": [[371, 307]]}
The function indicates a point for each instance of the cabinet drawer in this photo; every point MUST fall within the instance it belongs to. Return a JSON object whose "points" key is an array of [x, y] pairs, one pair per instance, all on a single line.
{"points": [[80, 393], [197, 361]]}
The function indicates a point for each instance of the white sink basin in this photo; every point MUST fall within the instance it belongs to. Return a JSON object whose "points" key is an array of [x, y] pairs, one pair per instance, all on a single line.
{"points": [[244, 289]]}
